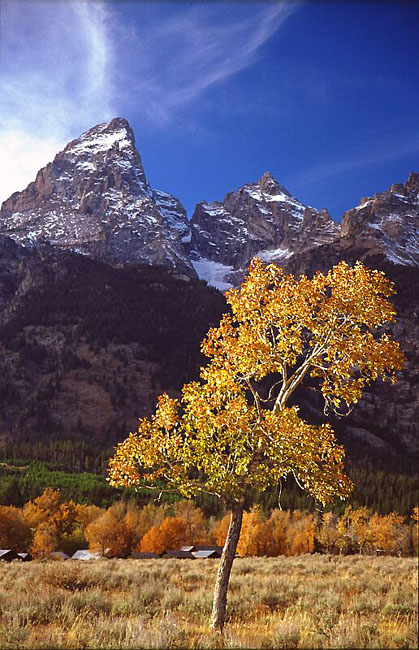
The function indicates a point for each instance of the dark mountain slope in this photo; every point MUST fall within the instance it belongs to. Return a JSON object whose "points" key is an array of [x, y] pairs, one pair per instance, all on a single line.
{"points": [[86, 348]]}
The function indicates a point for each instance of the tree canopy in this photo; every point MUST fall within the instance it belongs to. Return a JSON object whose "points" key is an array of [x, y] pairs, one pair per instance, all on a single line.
{"points": [[234, 430]]}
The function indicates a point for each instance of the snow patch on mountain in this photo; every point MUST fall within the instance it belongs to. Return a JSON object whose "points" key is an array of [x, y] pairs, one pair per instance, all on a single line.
{"points": [[214, 273], [278, 255], [281, 197], [100, 139]]}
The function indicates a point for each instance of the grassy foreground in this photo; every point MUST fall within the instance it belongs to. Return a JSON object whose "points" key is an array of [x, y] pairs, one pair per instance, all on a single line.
{"points": [[309, 601]]}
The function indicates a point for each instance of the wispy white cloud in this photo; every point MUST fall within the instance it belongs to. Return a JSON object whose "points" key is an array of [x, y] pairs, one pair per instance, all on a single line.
{"points": [[177, 60], [53, 82]]}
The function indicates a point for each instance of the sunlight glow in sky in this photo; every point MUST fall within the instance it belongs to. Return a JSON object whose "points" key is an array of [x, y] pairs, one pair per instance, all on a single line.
{"points": [[323, 95]]}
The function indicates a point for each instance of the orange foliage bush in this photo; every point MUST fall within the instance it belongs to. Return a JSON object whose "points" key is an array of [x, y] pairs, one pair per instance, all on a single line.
{"points": [[220, 529], [171, 534], [45, 540], [15, 533]]}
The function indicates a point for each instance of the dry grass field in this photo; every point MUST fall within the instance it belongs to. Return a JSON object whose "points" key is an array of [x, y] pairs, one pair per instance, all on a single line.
{"points": [[309, 601]]}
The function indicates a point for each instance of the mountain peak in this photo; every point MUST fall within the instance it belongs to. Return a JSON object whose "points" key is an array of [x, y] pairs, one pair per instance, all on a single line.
{"points": [[94, 198], [261, 218], [114, 134], [267, 178], [386, 223], [412, 185], [110, 144], [269, 185]]}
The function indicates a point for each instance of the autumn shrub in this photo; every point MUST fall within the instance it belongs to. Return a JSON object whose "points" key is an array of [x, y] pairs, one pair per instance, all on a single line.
{"points": [[15, 533], [68, 577]]}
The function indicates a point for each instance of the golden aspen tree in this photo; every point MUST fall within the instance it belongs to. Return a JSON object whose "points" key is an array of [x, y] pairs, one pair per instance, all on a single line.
{"points": [[55, 519], [109, 534], [327, 533], [353, 529], [86, 514], [42, 509], [300, 533], [279, 522], [194, 520], [173, 533], [221, 529], [152, 541], [227, 434], [133, 520], [45, 539], [150, 515], [387, 534], [256, 535], [66, 517]]}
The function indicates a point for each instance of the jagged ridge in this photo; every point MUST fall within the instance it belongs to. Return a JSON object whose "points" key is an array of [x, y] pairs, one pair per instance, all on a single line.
{"points": [[261, 219], [94, 199]]}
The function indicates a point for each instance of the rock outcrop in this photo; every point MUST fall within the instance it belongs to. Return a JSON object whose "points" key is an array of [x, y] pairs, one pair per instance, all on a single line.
{"points": [[385, 224]]}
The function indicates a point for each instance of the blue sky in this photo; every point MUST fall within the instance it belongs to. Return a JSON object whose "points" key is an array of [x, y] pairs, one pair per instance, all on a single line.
{"points": [[324, 95]]}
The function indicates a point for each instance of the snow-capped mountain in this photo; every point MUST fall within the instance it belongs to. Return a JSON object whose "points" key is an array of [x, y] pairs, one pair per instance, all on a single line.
{"points": [[94, 198], [264, 219], [261, 219]]}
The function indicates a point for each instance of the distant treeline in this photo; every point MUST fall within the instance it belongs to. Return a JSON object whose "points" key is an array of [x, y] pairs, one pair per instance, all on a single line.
{"points": [[50, 523], [78, 470]]}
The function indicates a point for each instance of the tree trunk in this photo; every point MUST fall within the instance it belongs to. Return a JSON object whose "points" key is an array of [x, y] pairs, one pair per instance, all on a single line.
{"points": [[224, 570]]}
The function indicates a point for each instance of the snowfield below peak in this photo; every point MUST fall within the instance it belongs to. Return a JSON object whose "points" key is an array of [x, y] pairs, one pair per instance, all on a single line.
{"points": [[214, 273]]}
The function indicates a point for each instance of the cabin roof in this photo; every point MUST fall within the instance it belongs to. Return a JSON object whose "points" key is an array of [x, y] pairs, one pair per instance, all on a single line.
{"points": [[8, 554], [85, 554], [206, 554], [177, 553], [25, 556]]}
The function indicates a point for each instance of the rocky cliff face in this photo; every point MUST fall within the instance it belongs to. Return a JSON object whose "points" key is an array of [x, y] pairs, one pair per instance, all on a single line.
{"points": [[85, 348], [94, 199], [261, 219], [385, 224]]}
